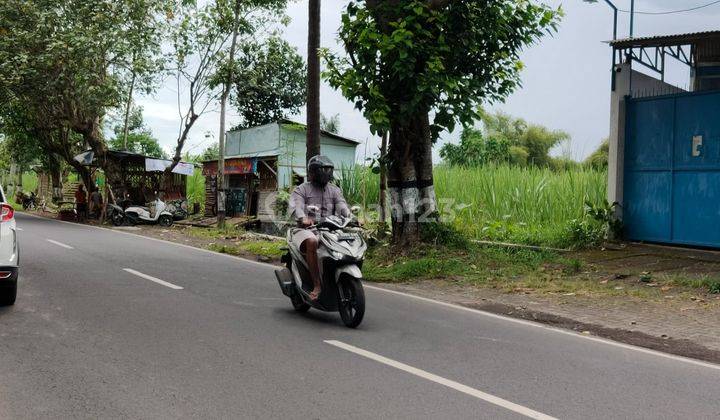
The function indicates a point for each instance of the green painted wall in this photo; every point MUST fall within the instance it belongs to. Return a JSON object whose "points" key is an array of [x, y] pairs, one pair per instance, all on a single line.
{"points": [[287, 141]]}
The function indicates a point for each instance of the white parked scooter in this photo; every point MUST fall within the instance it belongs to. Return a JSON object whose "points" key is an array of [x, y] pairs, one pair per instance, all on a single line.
{"points": [[156, 214]]}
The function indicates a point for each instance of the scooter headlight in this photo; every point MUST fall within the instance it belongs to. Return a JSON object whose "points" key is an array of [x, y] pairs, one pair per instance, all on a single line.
{"points": [[337, 255]]}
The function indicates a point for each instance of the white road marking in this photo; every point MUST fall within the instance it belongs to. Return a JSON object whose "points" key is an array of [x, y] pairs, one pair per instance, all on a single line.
{"points": [[60, 244], [153, 279], [517, 408], [424, 299]]}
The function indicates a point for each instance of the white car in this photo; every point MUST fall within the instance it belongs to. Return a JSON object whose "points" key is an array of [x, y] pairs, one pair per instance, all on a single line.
{"points": [[9, 252]]}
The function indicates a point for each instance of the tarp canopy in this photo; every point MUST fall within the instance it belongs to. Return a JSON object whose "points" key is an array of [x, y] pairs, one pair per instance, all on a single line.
{"points": [[159, 165], [151, 164]]}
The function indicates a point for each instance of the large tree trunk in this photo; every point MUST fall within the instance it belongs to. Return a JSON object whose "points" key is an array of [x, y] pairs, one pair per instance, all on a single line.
{"points": [[313, 82], [410, 179], [92, 135], [55, 171]]}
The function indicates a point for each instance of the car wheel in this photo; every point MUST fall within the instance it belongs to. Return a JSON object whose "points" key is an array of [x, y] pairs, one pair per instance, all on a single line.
{"points": [[8, 295]]}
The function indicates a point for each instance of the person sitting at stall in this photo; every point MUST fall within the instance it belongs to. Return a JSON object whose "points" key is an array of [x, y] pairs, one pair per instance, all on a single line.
{"points": [[95, 203]]}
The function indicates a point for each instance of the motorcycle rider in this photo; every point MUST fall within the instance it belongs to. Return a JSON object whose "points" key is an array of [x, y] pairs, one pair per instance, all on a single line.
{"points": [[328, 198]]}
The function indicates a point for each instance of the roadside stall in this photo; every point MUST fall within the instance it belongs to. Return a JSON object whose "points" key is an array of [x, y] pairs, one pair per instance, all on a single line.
{"points": [[142, 180]]}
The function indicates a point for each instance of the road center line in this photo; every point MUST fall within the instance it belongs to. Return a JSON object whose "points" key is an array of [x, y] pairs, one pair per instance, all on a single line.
{"points": [[442, 381], [153, 279], [60, 244]]}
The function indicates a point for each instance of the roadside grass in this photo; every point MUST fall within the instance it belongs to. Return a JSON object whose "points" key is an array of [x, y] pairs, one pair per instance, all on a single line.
{"points": [[476, 264], [269, 249], [524, 205], [266, 249], [213, 233], [708, 283]]}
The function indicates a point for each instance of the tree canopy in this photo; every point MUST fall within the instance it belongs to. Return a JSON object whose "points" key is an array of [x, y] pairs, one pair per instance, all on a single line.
{"points": [[270, 82], [409, 56], [140, 138], [504, 139], [418, 67]]}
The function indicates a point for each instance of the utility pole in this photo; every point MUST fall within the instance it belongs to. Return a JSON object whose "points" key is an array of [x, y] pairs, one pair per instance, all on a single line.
{"points": [[383, 181], [313, 83], [632, 18], [128, 106], [223, 107]]}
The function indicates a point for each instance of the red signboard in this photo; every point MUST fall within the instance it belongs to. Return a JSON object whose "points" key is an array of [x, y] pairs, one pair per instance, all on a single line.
{"points": [[232, 167]]}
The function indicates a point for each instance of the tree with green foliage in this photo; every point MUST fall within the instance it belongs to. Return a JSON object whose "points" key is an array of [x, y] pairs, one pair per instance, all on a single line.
{"points": [[199, 60], [62, 67], [536, 140], [210, 153], [599, 158], [476, 149], [504, 138], [135, 136], [330, 124], [408, 59], [269, 83]]}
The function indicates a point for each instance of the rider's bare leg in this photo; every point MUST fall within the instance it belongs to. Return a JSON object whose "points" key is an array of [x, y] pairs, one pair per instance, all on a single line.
{"points": [[311, 247]]}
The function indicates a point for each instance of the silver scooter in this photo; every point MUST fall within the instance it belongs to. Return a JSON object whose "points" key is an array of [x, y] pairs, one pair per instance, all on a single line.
{"points": [[341, 251], [157, 215]]}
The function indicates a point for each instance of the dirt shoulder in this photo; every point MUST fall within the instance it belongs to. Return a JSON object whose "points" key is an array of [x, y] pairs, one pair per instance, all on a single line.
{"points": [[654, 297]]}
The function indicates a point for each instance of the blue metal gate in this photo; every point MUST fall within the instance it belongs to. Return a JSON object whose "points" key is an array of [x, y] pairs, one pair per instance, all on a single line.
{"points": [[672, 169]]}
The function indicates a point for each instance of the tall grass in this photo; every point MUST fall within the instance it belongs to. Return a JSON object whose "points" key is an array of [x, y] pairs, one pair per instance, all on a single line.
{"points": [[195, 191], [525, 205]]}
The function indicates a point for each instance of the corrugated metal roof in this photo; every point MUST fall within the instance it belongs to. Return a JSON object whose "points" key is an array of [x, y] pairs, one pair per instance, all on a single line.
{"points": [[327, 133], [259, 155], [665, 40]]}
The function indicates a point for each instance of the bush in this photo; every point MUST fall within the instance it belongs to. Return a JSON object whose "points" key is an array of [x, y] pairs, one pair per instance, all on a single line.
{"points": [[443, 234], [584, 233], [282, 204]]}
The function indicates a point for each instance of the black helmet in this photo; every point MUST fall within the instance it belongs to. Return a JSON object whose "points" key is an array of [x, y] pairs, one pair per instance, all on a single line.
{"points": [[320, 169]]}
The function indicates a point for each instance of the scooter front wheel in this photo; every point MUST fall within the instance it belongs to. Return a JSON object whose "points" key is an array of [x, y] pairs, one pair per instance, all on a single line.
{"points": [[132, 218], [351, 301], [118, 219]]}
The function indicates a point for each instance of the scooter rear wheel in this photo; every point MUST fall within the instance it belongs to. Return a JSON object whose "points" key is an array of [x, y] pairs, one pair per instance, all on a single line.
{"points": [[351, 301]]}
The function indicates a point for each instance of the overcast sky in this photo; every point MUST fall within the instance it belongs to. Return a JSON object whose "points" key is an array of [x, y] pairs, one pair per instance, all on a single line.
{"points": [[566, 80]]}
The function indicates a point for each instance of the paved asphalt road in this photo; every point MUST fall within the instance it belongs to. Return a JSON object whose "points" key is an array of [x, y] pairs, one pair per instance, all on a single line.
{"points": [[94, 335]]}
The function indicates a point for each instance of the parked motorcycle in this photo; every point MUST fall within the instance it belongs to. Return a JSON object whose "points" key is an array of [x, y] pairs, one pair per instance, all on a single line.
{"points": [[178, 208], [115, 214], [341, 252], [29, 202], [157, 213]]}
